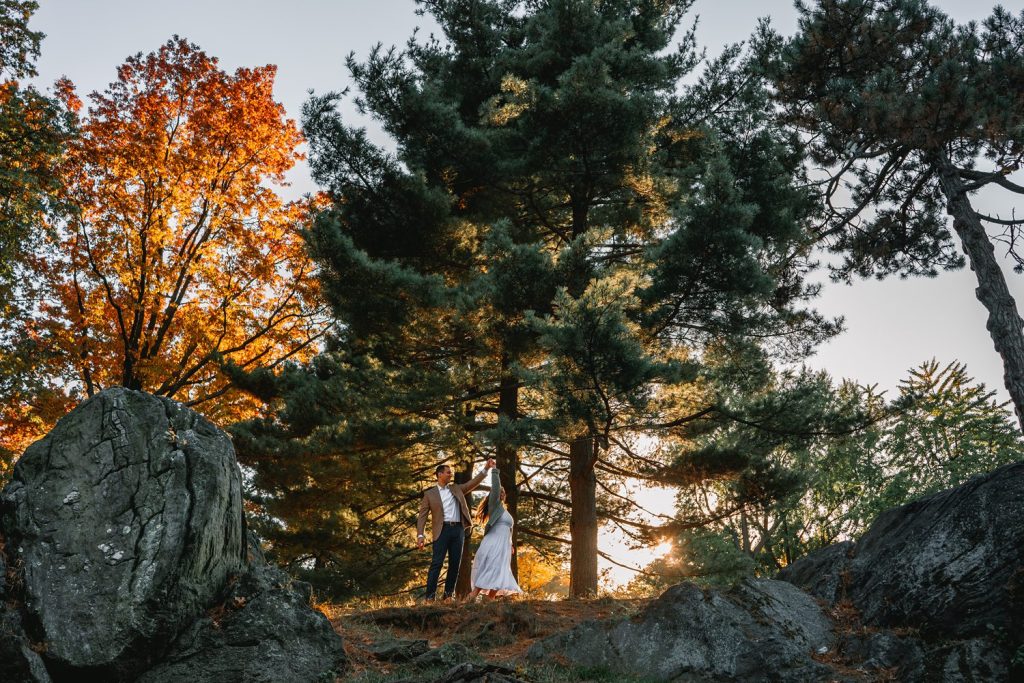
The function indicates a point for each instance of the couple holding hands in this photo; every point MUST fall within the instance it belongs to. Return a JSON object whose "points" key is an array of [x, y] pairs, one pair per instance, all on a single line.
{"points": [[450, 518]]}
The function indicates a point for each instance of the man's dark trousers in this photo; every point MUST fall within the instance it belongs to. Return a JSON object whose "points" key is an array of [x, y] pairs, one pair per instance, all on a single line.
{"points": [[449, 543]]}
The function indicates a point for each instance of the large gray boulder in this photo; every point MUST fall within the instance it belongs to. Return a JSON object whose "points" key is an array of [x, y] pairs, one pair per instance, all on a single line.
{"points": [[760, 630], [125, 554], [822, 573], [913, 660], [946, 565], [949, 568], [126, 522]]}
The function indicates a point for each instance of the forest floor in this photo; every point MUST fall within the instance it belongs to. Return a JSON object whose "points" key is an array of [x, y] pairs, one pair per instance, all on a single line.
{"points": [[496, 631]]}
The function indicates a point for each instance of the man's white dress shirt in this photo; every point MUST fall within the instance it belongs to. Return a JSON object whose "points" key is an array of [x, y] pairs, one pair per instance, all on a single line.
{"points": [[450, 505]]}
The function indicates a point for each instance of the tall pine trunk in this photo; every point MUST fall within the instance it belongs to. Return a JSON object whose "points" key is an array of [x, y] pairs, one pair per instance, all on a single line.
{"points": [[583, 518], [582, 460], [1004, 322], [507, 454]]}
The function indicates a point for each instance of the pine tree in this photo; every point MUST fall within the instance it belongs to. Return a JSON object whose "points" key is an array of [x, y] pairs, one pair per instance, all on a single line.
{"points": [[540, 265], [914, 114], [947, 428], [330, 472], [524, 134]]}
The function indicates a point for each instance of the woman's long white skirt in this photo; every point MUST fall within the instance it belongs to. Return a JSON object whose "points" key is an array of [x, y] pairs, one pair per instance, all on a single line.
{"points": [[492, 566]]}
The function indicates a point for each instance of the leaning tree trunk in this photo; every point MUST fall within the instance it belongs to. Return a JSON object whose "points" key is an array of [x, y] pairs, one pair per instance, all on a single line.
{"points": [[583, 518], [1004, 322], [507, 454]]}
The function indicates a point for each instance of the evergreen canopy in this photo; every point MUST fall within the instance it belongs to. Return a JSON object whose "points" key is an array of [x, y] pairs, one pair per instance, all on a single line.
{"points": [[537, 269]]}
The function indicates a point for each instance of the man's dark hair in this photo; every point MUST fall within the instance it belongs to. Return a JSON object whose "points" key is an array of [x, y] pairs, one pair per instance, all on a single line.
{"points": [[440, 468]]}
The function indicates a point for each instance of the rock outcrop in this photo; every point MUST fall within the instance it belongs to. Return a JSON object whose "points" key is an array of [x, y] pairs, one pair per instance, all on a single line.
{"points": [[18, 660], [264, 632], [479, 673], [946, 573], [126, 520], [933, 591], [399, 650], [122, 529], [946, 565], [450, 654], [760, 630]]}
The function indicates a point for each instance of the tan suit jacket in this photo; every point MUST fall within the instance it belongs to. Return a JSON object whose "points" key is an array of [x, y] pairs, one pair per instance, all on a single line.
{"points": [[431, 504]]}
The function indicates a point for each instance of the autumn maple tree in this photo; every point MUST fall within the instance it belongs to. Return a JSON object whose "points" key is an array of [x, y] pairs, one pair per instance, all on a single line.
{"points": [[179, 255]]}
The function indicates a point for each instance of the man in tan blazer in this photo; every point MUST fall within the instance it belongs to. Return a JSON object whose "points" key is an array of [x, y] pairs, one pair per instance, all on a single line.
{"points": [[449, 519]]}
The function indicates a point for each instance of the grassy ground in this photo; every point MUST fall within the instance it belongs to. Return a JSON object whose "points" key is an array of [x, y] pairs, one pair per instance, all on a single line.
{"points": [[499, 632]]}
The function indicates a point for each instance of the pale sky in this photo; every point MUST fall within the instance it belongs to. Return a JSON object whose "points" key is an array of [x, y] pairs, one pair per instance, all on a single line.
{"points": [[892, 325]]}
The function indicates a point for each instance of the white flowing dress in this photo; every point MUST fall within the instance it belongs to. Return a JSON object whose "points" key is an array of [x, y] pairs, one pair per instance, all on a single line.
{"points": [[492, 565]]}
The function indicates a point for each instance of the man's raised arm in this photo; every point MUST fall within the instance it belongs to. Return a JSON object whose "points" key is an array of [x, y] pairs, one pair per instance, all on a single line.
{"points": [[475, 481]]}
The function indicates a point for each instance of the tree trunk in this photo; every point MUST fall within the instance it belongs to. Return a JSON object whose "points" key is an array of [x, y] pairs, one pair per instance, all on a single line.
{"points": [[787, 542], [463, 585], [1004, 322], [583, 518], [508, 455], [582, 455], [744, 532]]}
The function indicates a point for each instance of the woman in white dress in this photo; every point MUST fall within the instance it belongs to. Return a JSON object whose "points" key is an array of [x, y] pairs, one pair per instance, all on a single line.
{"points": [[492, 565]]}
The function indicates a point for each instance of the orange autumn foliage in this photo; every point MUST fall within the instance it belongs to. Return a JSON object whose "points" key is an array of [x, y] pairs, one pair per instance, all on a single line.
{"points": [[180, 255], [536, 572]]}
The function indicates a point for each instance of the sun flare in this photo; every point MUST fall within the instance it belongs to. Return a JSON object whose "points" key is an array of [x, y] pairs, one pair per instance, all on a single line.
{"points": [[625, 560]]}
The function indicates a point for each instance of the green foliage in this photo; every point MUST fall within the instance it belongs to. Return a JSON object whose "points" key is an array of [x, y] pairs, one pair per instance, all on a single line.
{"points": [[948, 428], [910, 115], [760, 458], [34, 128], [324, 492], [800, 490], [708, 557], [599, 368], [19, 46]]}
